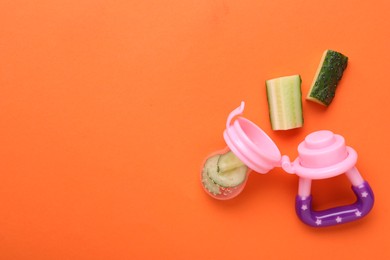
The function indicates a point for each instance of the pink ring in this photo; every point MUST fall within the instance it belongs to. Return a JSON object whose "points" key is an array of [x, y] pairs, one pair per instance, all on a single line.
{"points": [[327, 172]]}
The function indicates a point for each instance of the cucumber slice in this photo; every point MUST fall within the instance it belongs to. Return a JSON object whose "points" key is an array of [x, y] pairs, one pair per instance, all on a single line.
{"points": [[228, 161], [285, 102], [228, 179], [208, 183], [328, 75]]}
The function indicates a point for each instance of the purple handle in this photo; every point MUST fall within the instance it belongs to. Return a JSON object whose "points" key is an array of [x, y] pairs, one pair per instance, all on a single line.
{"points": [[337, 215]]}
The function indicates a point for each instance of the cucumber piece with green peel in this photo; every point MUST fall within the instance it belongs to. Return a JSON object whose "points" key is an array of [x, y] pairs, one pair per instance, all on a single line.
{"points": [[328, 75], [285, 102], [215, 180], [208, 183], [229, 178], [228, 161]]}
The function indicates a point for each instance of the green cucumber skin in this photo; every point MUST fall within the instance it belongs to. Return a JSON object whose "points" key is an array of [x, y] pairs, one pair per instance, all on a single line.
{"points": [[324, 88]]}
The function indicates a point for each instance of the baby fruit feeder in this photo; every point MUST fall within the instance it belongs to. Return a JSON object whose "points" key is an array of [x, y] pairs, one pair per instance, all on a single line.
{"points": [[321, 155]]}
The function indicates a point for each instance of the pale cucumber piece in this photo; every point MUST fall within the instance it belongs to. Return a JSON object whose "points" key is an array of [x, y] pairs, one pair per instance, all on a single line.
{"points": [[230, 178], [285, 102], [228, 161], [208, 183]]}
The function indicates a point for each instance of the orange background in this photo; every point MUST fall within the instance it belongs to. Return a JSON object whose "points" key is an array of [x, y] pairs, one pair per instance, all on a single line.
{"points": [[108, 108]]}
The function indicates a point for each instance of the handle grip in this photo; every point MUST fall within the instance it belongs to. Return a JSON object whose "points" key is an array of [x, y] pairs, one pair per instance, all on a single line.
{"points": [[337, 215]]}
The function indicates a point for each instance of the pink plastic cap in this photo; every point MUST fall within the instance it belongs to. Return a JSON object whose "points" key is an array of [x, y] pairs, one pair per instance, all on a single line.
{"points": [[322, 149], [251, 144], [321, 155]]}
